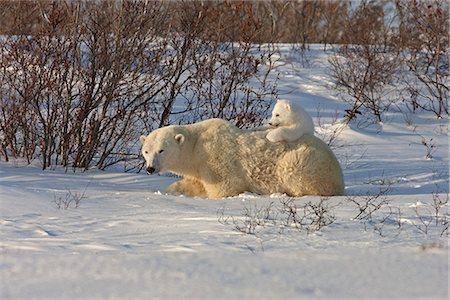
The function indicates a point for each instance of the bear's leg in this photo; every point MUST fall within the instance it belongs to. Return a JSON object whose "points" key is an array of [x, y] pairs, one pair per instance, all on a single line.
{"points": [[188, 187], [225, 188]]}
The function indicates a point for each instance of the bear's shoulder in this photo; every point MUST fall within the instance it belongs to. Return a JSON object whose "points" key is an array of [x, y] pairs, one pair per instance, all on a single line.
{"points": [[214, 124]]}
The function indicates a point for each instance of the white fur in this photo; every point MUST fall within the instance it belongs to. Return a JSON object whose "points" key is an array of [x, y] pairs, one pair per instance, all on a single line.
{"points": [[218, 159], [290, 122]]}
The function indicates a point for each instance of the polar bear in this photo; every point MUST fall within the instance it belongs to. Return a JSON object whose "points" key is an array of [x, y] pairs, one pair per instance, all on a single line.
{"points": [[216, 159], [290, 121]]}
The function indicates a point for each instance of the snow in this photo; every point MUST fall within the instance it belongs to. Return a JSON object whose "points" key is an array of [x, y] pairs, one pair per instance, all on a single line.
{"points": [[127, 239]]}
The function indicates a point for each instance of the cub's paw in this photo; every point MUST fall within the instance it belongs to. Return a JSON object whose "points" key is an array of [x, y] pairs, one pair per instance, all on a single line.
{"points": [[273, 136]]}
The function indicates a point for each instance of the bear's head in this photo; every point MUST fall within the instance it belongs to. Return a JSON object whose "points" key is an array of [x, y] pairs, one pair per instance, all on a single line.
{"points": [[162, 149], [282, 114]]}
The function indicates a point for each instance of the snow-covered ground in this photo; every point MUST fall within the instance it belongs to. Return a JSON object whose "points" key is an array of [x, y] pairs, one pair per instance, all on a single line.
{"points": [[129, 240]]}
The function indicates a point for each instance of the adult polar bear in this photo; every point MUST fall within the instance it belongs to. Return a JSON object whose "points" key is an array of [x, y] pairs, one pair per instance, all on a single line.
{"points": [[217, 159]]}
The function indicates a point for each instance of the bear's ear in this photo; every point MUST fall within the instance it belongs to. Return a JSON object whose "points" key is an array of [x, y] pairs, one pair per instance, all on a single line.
{"points": [[288, 106], [179, 138], [142, 139]]}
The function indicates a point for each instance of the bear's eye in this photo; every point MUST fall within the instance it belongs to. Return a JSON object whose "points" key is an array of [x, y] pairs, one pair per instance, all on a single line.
{"points": [[277, 115], [161, 151], [146, 152]]}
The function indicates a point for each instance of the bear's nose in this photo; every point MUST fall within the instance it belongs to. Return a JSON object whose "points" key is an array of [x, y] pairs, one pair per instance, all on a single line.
{"points": [[150, 170]]}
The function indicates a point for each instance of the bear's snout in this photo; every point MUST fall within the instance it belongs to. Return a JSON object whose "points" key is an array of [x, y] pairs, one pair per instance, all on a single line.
{"points": [[150, 170]]}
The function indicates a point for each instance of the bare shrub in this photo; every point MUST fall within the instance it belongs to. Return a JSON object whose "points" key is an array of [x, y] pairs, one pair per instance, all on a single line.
{"points": [[223, 79], [376, 212], [367, 205], [423, 33], [319, 214], [252, 219], [330, 131], [309, 217], [388, 220], [75, 89], [430, 146], [363, 68], [431, 218], [390, 223], [394, 51], [439, 203], [436, 214], [363, 75], [70, 198], [78, 81], [291, 213], [424, 217]]}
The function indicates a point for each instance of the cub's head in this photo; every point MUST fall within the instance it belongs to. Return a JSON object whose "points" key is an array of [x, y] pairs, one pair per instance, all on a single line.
{"points": [[162, 149], [282, 114]]}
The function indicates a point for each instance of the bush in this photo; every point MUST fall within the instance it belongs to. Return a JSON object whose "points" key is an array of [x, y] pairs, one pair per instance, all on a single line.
{"points": [[363, 67], [423, 33], [78, 91], [398, 55]]}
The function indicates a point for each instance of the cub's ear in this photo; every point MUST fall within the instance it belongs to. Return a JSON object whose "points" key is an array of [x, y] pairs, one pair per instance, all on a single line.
{"points": [[142, 139], [179, 138]]}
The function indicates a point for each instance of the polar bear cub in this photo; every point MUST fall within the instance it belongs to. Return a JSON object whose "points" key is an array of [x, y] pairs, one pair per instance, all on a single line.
{"points": [[289, 122]]}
